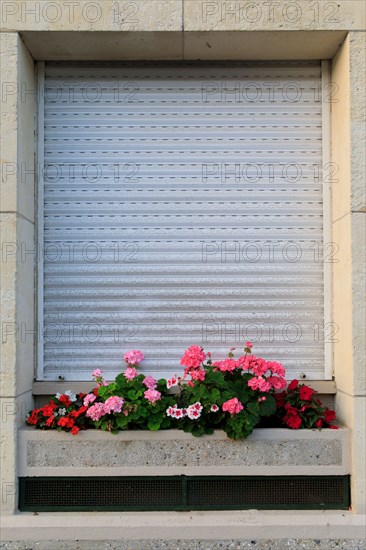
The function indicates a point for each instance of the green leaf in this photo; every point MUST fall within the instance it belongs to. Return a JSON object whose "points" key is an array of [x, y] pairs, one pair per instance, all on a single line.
{"points": [[103, 392], [216, 377], [121, 379], [215, 395], [132, 394], [153, 427], [122, 421], [153, 424], [253, 407], [267, 407]]}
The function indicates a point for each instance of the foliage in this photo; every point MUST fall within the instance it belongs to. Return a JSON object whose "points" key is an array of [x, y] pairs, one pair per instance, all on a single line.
{"points": [[232, 395], [298, 407], [138, 412], [63, 412]]}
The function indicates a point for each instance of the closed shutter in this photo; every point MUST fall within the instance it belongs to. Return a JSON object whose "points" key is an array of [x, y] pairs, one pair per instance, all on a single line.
{"points": [[182, 205]]}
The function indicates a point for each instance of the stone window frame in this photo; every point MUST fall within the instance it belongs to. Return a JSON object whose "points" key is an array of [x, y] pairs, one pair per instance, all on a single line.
{"points": [[346, 50]]}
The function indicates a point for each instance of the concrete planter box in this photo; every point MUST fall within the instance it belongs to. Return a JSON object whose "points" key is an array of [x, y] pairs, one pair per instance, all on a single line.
{"points": [[173, 452]]}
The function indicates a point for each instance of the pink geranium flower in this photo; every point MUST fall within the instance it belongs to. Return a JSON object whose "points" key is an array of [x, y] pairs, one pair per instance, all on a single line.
{"points": [[193, 357], [150, 383], [97, 373], [134, 357], [131, 373], [114, 404], [228, 365], [96, 411], [276, 368], [90, 398], [152, 395], [198, 374], [277, 382], [233, 406], [260, 384]]}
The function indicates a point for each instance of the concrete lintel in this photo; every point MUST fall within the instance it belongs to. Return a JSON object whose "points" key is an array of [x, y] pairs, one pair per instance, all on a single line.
{"points": [[177, 45]]}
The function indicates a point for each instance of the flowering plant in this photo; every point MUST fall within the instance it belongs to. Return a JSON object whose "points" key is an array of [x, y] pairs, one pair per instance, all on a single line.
{"points": [[132, 401], [232, 394], [298, 407], [65, 411]]}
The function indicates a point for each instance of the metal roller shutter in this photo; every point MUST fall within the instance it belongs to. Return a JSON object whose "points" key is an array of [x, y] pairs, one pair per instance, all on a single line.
{"points": [[181, 205]]}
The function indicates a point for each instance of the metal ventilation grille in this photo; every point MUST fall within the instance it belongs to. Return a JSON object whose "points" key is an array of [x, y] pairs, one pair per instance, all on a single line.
{"points": [[181, 208], [108, 493], [260, 493], [183, 493]]}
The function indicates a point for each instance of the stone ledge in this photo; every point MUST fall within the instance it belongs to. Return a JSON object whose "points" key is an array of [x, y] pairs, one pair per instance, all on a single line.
{"points": [[173, 452], [151, 527], [194, 544]]}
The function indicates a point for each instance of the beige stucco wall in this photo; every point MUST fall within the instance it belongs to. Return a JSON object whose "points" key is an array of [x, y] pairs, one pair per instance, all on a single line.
{"points": [[176, 29], [348, 218], [17, 253]]}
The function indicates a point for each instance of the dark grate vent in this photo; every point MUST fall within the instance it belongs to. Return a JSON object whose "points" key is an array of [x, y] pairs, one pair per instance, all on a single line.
{"points": [[183, 493], [102, 493], [259, 492]]}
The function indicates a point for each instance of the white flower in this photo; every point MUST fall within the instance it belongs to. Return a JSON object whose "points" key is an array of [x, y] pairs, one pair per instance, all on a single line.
{"points": [[71, 395], [61, 412], [194, 411], [172, 382]]}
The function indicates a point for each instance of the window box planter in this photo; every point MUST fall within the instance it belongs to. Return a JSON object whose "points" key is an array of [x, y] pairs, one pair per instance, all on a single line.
{"points": [[267, 451]]}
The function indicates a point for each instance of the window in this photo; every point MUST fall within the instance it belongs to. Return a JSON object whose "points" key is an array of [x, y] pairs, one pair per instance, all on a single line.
{"points": [[182, 204]]}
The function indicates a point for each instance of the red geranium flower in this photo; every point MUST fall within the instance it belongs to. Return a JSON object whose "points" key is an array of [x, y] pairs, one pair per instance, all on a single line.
{"points": [[65, 399], [66, 422], [75, 430], [306, 393], [33, 417], [50, 420], [80, 411], [49, 409], [319, 423], [293, 385], [280, 399], [293, 421], [290, 409], [329, 415]]}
